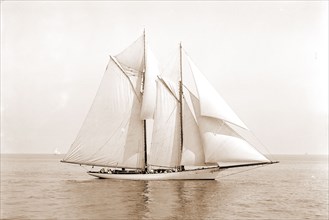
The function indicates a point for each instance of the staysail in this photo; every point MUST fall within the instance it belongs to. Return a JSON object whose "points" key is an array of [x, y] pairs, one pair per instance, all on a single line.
{"points": [[165, 148], [208, 137], [221, 144], [211, 103], [193, 152]]}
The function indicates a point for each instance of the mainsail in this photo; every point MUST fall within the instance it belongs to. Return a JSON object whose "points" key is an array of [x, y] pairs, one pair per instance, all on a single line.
{"points": [[112, 133]]}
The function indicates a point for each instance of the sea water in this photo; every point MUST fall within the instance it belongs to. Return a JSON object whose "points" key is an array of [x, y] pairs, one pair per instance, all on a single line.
{"points": [[40, 187]]}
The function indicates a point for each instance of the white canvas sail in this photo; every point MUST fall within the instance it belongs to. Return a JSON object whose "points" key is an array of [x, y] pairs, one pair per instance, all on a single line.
{"points": [[112, 133], [211, 103], [207, 137], [221, 143], [149, 93], [133, 56], [193, 153], [165, 149]]}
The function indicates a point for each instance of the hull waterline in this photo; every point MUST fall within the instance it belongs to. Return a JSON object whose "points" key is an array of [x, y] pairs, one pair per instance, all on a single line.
{"points": [[198, 174]]}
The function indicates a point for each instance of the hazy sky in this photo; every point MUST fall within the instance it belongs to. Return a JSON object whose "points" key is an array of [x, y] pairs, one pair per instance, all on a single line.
{"points": [[269, 60]]}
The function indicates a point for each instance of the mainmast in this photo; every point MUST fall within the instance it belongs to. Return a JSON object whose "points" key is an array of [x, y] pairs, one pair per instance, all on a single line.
{"points": [[181, 100], [144, 121]]}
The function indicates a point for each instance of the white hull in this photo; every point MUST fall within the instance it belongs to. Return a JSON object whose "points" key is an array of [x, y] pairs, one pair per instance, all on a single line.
{"points": [[197, 174]]}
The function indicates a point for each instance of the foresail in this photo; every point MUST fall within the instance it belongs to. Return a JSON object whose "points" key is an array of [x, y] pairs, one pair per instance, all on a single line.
{"points": [[221, 143], [212, 104], [112, 133], [229, 149], [165, 149], [149, 93], [193, 153]]}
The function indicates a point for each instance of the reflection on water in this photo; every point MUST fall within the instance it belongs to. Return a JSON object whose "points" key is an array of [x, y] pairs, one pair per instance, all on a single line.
{"points": [[184, 200], [97, 198], [40, 187]]}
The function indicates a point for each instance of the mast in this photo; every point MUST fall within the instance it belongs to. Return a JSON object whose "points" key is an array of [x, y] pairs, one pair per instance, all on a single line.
{"points": [[181, 100], [144, 121]]}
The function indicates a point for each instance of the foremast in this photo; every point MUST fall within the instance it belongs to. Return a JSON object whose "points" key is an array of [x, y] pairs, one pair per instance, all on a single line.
{"points": [[181, 103], [144, 121]]}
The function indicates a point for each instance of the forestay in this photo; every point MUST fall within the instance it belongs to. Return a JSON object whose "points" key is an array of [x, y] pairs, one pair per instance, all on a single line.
{"points": [[211, 103]]}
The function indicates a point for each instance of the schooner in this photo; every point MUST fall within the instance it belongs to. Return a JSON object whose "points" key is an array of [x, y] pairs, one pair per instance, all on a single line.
{"points": [[193, 132]]}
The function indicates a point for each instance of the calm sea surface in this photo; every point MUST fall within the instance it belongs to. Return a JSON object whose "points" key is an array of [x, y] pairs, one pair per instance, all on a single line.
{"points": [[40, 187]]}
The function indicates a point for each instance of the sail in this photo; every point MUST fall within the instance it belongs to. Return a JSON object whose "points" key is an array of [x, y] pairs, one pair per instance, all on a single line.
{"points": [[192, 153], [212, 104], [192, 150], [131, 91], [133, 56], [112, 133], [208, 138], [221, 143], [149, 93], [165, 149]]}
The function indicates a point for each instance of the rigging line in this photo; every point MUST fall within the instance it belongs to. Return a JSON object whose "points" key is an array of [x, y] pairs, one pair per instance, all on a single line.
{"points": [[124, 72], [83, 167], [103, 145], [257, 139], [169, 117], [239, 118], [181, 100], [142, 90], [101, 165], [232, 132], [161, 166], [171, 113], [244, 171], [189, 64], [144, 62], [189, 91], [249, 141], [170, 62], [130, 45], [110, 138], [90, 108], [167, 87]]}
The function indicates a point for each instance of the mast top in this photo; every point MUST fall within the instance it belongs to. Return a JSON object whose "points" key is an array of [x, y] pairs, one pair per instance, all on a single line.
{"points": [[180, 61]]}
